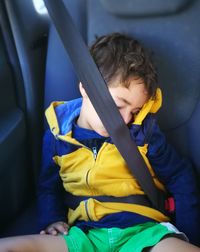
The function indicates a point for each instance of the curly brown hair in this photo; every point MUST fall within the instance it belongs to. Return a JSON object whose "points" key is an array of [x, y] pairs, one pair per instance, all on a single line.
{"points": [[118, 55]]}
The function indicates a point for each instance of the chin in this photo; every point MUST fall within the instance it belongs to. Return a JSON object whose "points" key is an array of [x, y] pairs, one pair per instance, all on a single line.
{"points": [[104, 134]]}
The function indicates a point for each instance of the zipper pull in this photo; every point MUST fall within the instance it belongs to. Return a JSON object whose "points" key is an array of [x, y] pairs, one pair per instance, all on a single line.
{"points": [[94, 150]]}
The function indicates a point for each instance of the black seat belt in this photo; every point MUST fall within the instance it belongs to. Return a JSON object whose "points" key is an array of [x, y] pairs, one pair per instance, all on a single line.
{"points": [[102, 101]]}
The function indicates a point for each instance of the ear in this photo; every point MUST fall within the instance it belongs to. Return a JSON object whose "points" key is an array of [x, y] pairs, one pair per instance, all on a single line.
{"points": [[82, 90]]}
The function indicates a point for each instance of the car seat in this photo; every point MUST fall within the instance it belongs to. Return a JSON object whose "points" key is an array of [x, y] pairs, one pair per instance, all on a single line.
{"points": [[170, 29]]}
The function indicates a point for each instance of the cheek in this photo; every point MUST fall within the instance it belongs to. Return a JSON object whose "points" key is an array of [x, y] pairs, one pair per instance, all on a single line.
{"points": [[94, 118], [95, 121], [97, 125]]}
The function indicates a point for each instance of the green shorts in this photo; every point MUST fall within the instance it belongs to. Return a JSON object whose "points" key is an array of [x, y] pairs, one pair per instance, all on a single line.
{"points": [[116, 239]]}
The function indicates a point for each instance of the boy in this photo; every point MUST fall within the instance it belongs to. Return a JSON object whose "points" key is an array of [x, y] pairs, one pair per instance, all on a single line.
{"points": [[84, 172]]}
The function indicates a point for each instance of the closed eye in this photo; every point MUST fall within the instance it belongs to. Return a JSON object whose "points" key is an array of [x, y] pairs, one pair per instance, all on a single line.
{"points": [[135, 112]]}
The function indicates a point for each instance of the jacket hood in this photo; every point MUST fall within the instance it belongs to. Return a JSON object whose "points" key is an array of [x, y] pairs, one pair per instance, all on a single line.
{"points": [[151, 106], [60, 115]]}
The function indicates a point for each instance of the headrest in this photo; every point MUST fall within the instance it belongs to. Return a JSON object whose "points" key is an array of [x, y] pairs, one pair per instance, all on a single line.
{"points": [[137, 8]]}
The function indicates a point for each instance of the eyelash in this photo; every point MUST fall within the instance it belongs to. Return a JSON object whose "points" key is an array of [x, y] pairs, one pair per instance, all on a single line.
{"points": [[134, 113]]}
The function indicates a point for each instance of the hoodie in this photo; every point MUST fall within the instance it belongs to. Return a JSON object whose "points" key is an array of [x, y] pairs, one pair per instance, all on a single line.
{"points": [[71, 168]]}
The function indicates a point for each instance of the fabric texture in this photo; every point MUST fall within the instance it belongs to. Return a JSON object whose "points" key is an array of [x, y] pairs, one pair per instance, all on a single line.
{"points": [[116, 239]]}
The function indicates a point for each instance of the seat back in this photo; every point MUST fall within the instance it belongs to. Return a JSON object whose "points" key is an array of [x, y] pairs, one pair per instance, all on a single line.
{"points": [[171, 30]]}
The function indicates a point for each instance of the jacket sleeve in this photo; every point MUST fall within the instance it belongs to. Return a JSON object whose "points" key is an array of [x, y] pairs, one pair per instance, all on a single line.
{"points": [[50, 190], [178, 176]]}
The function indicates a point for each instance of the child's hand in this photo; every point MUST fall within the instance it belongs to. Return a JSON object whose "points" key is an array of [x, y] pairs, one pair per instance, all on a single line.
{"points": [[56, 228]]}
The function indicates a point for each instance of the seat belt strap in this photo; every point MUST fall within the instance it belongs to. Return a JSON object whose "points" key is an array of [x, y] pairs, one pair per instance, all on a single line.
{"points": [[73, 201], [101, 99]]}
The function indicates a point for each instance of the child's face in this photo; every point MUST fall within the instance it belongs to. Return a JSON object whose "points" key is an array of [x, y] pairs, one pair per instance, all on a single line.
{"points": [[128, 100]]}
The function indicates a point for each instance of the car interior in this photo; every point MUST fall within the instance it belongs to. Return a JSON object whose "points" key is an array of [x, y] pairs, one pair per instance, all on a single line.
{"points": [[36, 69]]}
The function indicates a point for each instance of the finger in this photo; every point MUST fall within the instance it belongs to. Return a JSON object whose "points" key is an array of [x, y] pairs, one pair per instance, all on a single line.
{"points": [[65, 225], [61, 228], [42, 232], [52, 231]]}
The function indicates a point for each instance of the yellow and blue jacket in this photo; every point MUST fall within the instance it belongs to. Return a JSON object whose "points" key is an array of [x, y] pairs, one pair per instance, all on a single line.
{"points": [[79, 164]]}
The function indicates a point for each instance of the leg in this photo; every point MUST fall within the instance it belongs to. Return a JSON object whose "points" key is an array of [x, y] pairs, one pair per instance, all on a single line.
{"points": [[174, 245], [33, 243]]}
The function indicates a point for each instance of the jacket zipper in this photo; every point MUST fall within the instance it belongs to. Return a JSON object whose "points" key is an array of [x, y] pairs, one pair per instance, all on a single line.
{"points": [[94, 150], [86, 209], [86, 178]]}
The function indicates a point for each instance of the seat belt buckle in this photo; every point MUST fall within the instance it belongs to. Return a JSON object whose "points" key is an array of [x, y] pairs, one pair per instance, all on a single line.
{"points": [[170, 205]]}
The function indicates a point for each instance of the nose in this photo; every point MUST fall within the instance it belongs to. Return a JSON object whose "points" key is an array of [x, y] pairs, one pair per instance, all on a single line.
{"points": [[127, 116]]}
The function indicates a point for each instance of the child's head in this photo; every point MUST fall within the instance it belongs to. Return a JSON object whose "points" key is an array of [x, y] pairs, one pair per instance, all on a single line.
{"points": [[129, 74], [121, 57]]}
